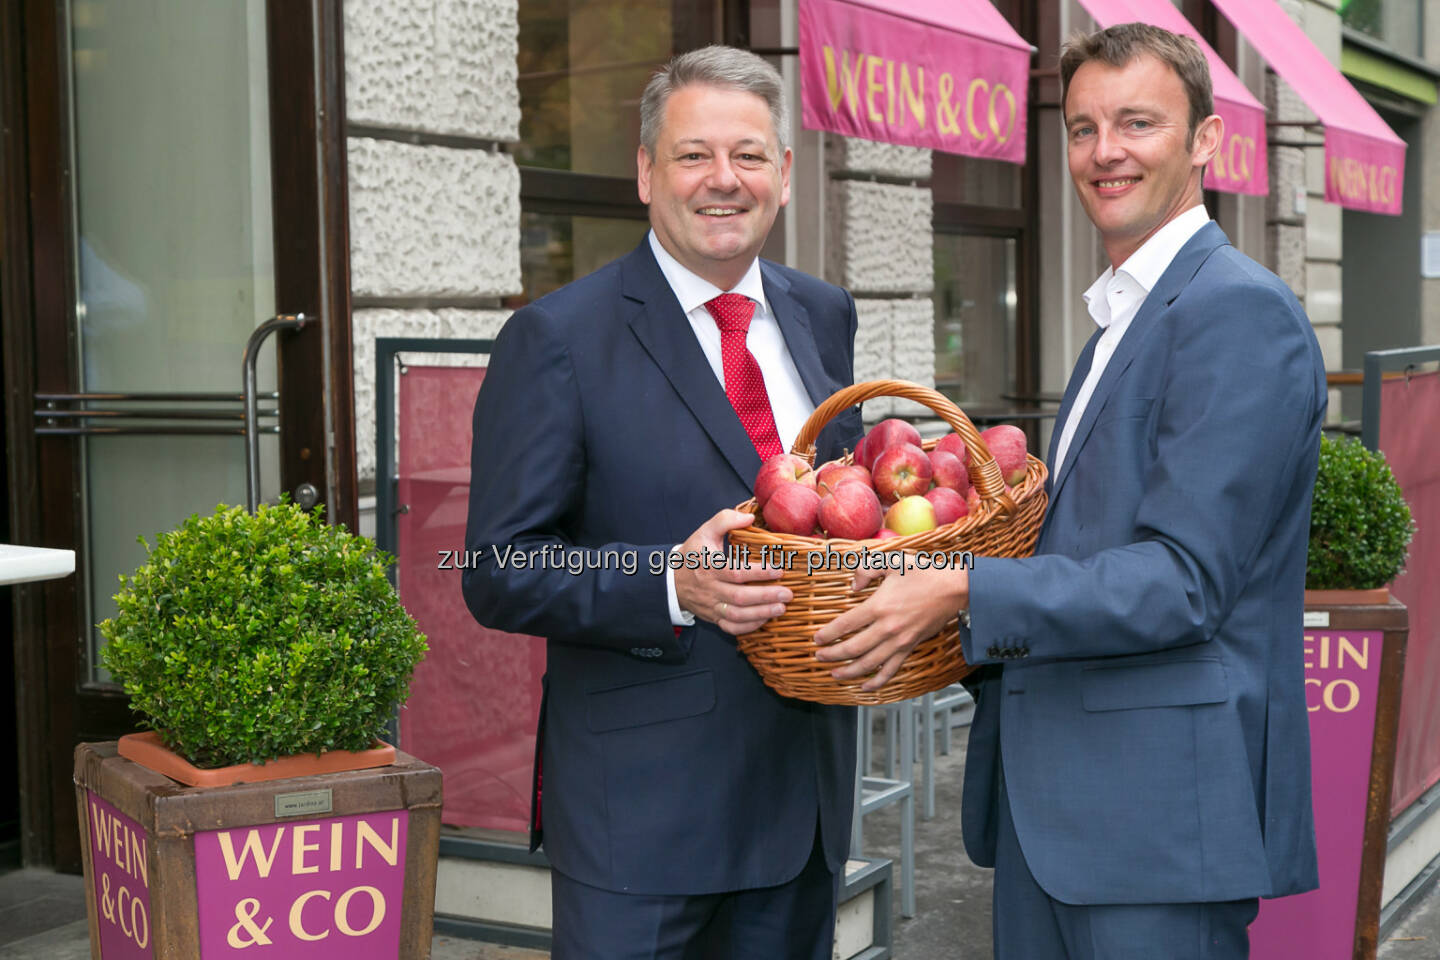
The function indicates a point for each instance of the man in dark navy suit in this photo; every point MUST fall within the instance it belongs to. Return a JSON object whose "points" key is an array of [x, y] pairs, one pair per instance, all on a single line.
{"points": [[1138, 771], [687, 810]]}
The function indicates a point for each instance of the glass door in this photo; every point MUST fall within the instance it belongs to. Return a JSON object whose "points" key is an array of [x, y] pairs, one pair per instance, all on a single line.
{"points": [[182, 169], [174, 242]]}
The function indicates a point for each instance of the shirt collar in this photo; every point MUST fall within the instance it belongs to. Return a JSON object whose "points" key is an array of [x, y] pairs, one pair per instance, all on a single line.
{"points": [[694, 291], [1146, 265]]}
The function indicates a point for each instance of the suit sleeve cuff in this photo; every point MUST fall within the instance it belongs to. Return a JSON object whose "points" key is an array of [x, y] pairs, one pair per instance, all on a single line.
{"points": [[678, 617]]}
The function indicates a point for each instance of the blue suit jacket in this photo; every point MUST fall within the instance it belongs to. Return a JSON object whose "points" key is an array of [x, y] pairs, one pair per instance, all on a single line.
{"points": [[1150, 711], [669, 767]]}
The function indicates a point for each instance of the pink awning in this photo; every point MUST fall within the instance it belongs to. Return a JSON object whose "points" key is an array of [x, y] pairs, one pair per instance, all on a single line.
{"points": [[1242, 164], [945, 74], [1364, 159]]}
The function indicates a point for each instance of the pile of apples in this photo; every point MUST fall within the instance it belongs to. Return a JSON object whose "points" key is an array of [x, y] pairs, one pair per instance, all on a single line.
{"points": [[893, 488]]}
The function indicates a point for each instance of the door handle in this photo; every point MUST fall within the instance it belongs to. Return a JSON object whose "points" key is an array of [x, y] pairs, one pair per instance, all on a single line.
{"points": [[285, 321]]}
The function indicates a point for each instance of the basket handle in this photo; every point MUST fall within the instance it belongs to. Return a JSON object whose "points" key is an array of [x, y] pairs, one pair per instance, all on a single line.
{"points": [[984, 471]]}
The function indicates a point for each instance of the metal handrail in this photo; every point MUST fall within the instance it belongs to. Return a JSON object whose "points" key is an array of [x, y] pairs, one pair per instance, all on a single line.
{"points": [[221, 420], [150, 414], [252, 429], [154, 397], [51, 415], [175, 430]]}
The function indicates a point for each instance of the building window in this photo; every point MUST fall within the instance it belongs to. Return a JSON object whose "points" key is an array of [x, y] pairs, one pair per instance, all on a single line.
{"points": [[985, 329], [1396, 23], [582, 65], [986, 325], [976, 311]]}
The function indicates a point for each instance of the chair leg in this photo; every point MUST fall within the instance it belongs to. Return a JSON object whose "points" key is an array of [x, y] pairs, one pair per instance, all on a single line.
{"points": [[864, 722], [907, 810], [927, 746], [945, 731], [857, 820], [892, 743]]}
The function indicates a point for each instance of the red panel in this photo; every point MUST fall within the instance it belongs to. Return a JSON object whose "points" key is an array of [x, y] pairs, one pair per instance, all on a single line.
{"points": [[1409, 423], [476, 696]]}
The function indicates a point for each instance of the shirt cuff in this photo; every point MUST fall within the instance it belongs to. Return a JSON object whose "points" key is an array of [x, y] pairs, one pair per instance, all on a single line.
{"points": [[678, 617]]}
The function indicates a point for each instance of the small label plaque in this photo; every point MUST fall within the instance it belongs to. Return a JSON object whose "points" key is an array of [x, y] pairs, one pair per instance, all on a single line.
{"points": [[1317, 618], [311, 802]]}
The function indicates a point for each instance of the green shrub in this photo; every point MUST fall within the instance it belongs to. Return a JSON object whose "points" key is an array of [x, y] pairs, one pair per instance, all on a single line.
{"points": [[249, 637], [1360, 525]]}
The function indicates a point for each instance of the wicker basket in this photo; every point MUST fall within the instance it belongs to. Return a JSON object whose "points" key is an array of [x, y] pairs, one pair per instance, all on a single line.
{"points": [[1006, 525]]}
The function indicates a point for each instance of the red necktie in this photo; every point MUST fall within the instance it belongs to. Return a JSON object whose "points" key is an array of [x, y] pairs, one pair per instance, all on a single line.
{"points": [[744, 384]]}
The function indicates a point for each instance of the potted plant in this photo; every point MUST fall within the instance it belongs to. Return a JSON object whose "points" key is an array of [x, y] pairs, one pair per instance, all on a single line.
{"points": [[1360, 524], [267, 653], [1354, 648]]}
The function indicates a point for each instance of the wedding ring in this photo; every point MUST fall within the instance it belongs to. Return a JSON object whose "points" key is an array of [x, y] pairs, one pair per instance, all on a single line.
{"points": [[721, 610]]}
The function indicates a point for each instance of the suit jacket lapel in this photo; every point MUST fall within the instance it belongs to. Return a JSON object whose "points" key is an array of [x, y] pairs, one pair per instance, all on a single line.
{"points": [[1167, 288], [655, 317], [794, 321]]}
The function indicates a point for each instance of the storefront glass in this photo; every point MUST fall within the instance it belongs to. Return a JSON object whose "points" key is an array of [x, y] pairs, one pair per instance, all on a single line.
{"points": [[975, 320], [1396, 23], [175, 262], [555, 248], [582, 64]]}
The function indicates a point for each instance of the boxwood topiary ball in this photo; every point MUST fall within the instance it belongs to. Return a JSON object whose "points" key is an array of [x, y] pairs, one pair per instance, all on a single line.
{"points": [[246, 637], [1360, 524]]}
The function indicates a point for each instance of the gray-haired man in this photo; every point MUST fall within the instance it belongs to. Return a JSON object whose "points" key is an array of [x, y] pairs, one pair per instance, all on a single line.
{"points": [[688, 810]]}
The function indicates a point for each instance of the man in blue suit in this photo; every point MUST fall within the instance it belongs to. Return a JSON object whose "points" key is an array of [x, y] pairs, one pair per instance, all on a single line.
{"points": [[688, 811], [1138, 771]]}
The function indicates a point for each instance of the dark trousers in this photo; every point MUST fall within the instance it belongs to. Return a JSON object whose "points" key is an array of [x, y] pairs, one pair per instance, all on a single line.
{"points": [[792, 921], [1029, 924]]}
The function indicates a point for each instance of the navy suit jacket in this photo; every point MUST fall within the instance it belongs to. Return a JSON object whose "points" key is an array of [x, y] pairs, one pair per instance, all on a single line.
{"points": [[669, 767], [1150, 707]]}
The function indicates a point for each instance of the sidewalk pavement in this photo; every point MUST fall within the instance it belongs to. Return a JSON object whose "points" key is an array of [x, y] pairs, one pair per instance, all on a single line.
{"points": [[42, 914]]}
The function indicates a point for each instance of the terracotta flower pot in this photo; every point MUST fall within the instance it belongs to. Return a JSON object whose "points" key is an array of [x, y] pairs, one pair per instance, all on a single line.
{"points": [[1380, 595], [148, 750]]}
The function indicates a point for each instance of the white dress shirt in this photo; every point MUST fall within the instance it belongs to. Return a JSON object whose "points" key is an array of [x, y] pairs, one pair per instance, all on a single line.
{"points": [[1114, 299], [789, 402]]}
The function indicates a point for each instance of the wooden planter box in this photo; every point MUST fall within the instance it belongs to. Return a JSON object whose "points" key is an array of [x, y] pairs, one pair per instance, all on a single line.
{"points": [[1354, 665], [313, 868]]}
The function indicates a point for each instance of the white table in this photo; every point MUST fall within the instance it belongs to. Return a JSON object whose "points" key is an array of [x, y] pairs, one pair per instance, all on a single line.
{"points": [[24, 564]]}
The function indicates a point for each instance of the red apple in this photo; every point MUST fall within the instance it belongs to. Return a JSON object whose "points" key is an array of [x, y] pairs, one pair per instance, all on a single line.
{"points": [[972, 501], [952, 444], [851, 512], [827, 483], [780, 469], [1007, 444], [909, 515], [835, 473], [859, 457], [792, 508], [901, 471], [949, 505], [887, 434], [885, 534], [949, 472]]}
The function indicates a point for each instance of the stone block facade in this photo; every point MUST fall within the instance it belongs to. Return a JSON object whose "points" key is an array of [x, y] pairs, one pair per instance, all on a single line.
{"points": [[437, 66], [432, 221], [432, 97], [880, 246]]}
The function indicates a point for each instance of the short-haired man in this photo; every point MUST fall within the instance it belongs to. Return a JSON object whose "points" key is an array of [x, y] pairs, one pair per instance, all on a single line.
{"points": [[688, 811], [1138, 771]]}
